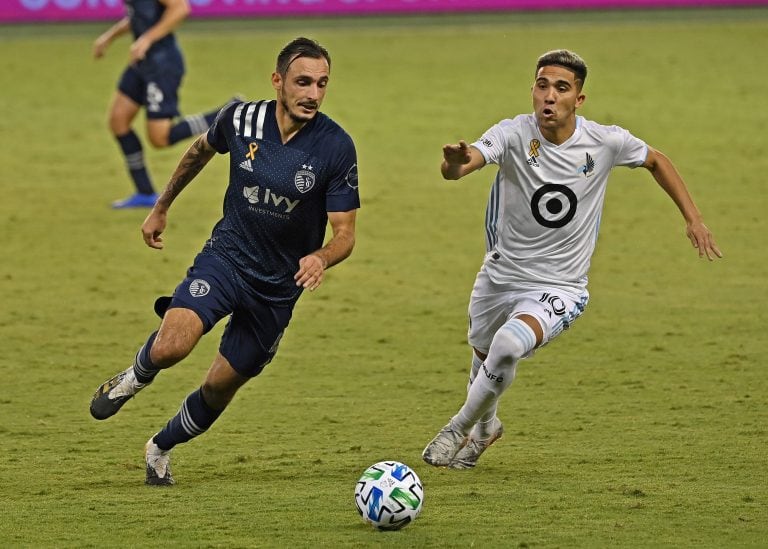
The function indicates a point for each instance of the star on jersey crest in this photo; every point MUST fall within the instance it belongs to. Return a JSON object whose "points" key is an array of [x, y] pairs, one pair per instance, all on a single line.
{"points": [[304, 178]]}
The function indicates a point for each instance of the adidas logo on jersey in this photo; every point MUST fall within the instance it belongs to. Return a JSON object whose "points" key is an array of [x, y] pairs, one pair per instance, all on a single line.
{"points": [[246, 165], [532, 162]]}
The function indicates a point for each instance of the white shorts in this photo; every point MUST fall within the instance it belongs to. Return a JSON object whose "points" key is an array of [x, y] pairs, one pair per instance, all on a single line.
{"points": [[492, 305]]}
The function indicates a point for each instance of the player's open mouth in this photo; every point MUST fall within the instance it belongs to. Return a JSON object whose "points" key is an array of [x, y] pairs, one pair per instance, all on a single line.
{"points": [[548, 112]]}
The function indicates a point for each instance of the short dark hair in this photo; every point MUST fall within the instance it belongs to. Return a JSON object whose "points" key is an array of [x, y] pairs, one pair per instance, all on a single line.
{"points": [[300, 47], [566, 59]]}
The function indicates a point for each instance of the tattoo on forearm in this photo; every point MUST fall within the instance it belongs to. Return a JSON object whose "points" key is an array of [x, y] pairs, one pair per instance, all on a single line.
{"points": [[196, 157]]}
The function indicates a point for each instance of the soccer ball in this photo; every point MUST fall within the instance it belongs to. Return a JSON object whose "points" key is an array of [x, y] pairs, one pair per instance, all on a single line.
{"points": [[389, 495]]}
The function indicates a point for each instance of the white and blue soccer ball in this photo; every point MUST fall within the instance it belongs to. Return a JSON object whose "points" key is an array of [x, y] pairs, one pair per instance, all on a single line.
{"points": [[389, 495]]}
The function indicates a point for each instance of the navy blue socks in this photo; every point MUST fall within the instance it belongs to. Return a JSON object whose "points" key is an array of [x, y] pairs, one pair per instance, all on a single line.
{"points": [[193, 419], [134, 160]]}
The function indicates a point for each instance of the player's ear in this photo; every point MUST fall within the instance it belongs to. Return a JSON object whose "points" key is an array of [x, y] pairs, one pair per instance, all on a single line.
{"points": [[580, 100], [277, 80]]}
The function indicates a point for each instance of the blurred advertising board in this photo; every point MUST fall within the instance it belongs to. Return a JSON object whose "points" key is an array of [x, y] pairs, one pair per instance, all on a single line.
{"points": [[85, 10]]}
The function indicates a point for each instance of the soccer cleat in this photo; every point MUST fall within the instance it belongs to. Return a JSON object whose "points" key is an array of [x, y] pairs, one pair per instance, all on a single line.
{"points": [[137, 200], [444, 447], [467, 457], [113, 393], [158, 465]]}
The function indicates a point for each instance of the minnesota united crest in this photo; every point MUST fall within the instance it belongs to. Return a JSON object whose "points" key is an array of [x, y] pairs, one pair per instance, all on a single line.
{"points": [[588, 169], [304, 178]]}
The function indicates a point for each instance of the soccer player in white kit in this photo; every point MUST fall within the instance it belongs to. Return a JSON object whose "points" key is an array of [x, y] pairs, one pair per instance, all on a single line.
{"points": [[542, 221]]}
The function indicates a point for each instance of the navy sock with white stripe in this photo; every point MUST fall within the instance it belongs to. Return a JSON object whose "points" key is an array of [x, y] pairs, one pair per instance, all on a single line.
{"points": [[193, 419], [133, 152], [143, 367], [194, 124]]}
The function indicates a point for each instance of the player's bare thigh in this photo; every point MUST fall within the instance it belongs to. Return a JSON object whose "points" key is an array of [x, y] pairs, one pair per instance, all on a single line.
{"points": [[122, 111]]}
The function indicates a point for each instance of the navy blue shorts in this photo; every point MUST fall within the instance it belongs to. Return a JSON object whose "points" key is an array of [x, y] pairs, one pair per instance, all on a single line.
{"points": [[156, 90], [213, 290]]}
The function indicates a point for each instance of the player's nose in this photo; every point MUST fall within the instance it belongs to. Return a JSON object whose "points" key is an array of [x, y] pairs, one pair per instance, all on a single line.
{"points": [[313, 92]]}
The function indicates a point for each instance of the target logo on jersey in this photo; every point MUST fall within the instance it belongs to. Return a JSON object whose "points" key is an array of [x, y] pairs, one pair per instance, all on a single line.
{"points": [[553, 205]]}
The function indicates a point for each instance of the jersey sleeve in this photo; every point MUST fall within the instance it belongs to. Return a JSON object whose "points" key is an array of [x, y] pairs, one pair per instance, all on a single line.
{"points": [[342, 194], [492, 144], [630, 151], [222, 125]]}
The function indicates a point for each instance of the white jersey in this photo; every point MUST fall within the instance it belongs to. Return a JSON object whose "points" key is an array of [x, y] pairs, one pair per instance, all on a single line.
{"points": [[543, 213]]}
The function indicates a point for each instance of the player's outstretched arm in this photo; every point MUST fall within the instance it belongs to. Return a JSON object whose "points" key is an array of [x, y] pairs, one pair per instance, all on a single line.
{"points": [[667, 176], [312, 267], [193, 161], [459, 160], [101, 44]]}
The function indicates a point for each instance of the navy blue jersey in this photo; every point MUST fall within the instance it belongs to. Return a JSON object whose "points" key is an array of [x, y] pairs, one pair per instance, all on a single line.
{"points": [[164, 54], [276, 203]]}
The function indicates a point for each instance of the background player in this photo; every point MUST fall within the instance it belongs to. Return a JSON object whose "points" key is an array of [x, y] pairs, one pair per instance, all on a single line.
{"points": [[542, 221], [152, 80], [292, 171]]}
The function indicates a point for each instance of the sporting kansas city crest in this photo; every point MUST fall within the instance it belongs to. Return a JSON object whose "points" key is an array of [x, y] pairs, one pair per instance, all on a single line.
{"points": [[304, 178]]}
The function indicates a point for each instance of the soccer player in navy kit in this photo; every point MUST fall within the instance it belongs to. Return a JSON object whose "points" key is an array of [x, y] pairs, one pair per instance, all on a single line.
{"points": [[152, 80], [292, 171]]}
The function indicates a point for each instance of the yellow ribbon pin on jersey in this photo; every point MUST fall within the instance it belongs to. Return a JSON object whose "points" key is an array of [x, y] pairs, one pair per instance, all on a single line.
{"points": [[252, 148], [535, 144]]}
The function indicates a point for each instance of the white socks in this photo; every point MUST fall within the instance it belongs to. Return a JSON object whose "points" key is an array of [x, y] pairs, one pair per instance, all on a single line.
{"points": [[490, 379]]}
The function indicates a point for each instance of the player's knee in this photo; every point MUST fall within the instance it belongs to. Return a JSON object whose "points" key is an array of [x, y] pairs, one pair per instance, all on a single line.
{"points": [[179, 332], [158, 140], [501, 363], [158, 133], [118, 125], [218, 395], [512, 342], [478, 354]]}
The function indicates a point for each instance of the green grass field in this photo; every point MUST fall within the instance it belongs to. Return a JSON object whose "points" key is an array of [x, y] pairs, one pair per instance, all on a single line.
{"points": [[643, 426]]}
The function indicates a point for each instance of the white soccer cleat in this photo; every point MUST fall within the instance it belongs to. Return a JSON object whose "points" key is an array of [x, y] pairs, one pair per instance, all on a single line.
{"points": [[442, 449], [158, 465], [467, 457]]}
